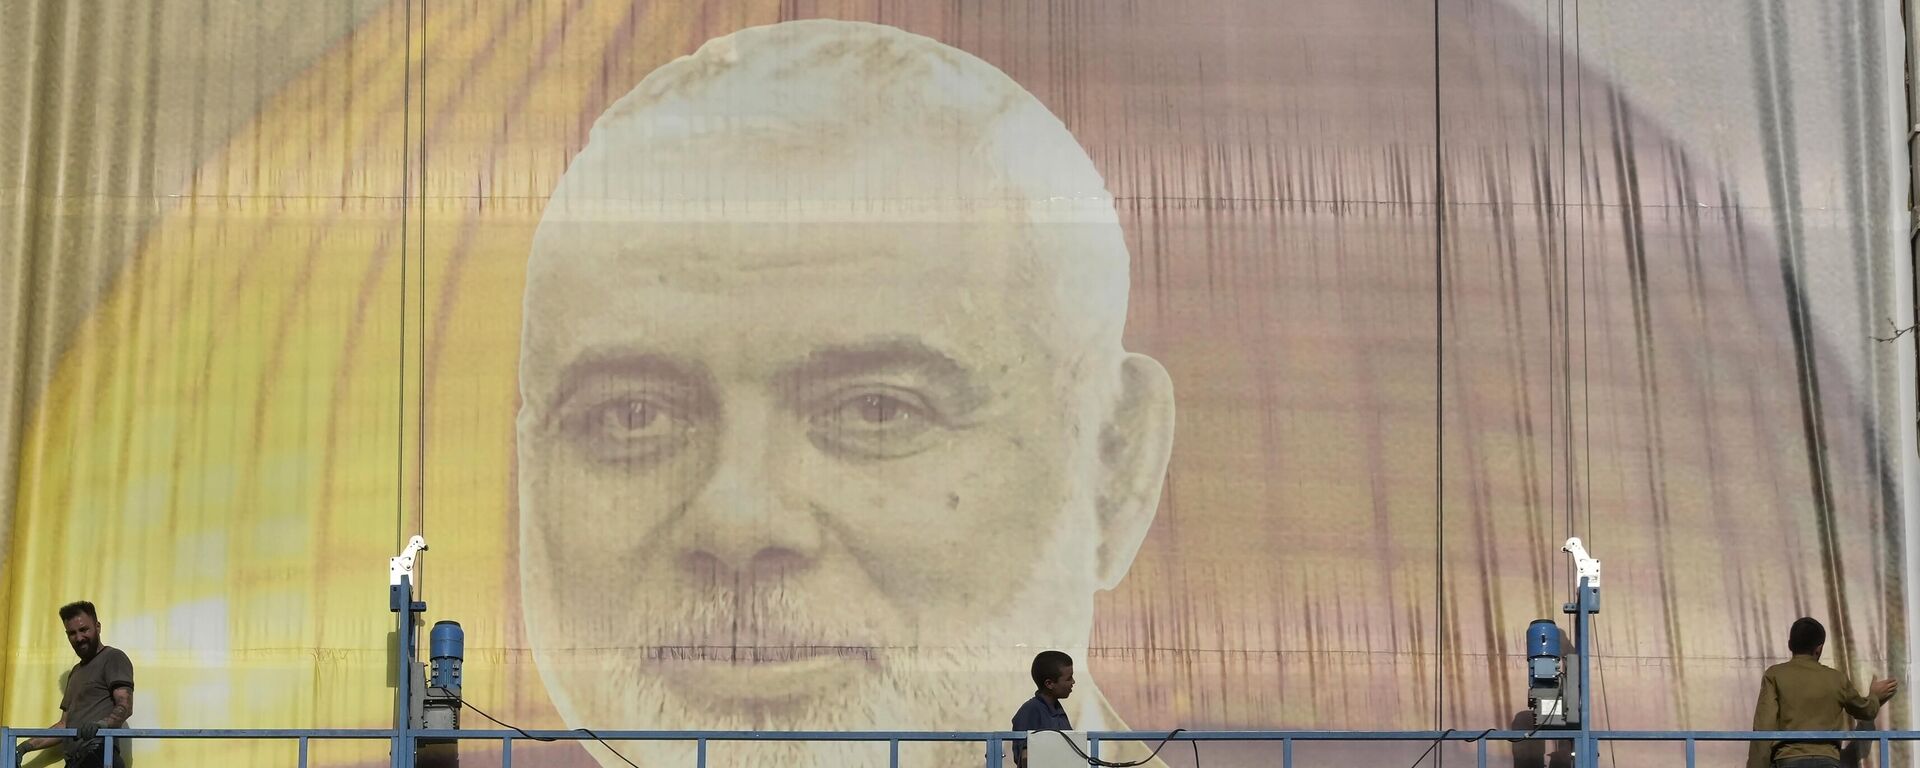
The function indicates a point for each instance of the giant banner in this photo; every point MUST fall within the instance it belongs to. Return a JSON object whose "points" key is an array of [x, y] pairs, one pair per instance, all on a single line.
{"points": [[812, 365]]}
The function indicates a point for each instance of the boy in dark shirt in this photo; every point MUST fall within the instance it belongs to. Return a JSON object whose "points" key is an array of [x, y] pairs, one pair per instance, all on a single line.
{"points": [[1053, 680]]}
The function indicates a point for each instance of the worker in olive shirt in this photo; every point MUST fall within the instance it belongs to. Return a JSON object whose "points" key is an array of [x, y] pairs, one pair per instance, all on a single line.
{"points": [[99, 692], [1053, 680], [1805, 695]]}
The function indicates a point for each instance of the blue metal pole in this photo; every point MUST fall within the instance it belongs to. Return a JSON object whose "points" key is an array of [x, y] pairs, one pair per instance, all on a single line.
{"points": [[403, 682], [1584, 752], [995, 756], [303, 752]]}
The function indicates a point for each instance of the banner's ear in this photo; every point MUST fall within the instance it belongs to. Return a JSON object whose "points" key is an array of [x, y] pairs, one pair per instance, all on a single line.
{"points": [[1136, 443]]}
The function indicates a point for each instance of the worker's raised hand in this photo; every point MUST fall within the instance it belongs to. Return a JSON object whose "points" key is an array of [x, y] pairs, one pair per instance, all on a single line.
{"points": [[1884, 689]]}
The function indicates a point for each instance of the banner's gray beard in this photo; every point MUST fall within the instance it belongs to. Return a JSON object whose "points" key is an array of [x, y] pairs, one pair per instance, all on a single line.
{"points": [[922, 689]]}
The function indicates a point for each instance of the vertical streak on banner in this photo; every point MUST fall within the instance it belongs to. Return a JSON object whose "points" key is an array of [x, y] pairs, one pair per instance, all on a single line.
{"points": [[33, 171], [1774, 88], [1586, 390], [1867, 120], [1640, 275], [1862, 112]]}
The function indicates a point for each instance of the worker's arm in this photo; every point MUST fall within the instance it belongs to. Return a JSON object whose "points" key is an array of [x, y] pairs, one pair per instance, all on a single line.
{"points": [[1020, 754], [1863, 707], [119, 675], [116, 717], [43, 742], [1766, 717], [122, 709]]}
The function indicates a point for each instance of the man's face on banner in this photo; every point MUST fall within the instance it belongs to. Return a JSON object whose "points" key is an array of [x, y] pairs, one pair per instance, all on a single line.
{"points": [[764, 463], [833, 437], [832, 442]]}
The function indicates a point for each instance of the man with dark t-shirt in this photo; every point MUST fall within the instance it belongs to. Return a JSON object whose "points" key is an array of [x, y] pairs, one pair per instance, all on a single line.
{"points": [[99, 692]]}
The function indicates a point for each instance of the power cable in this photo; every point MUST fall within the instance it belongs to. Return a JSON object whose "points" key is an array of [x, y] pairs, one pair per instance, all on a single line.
{"points": [[511, 727], [1106, 764]]}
